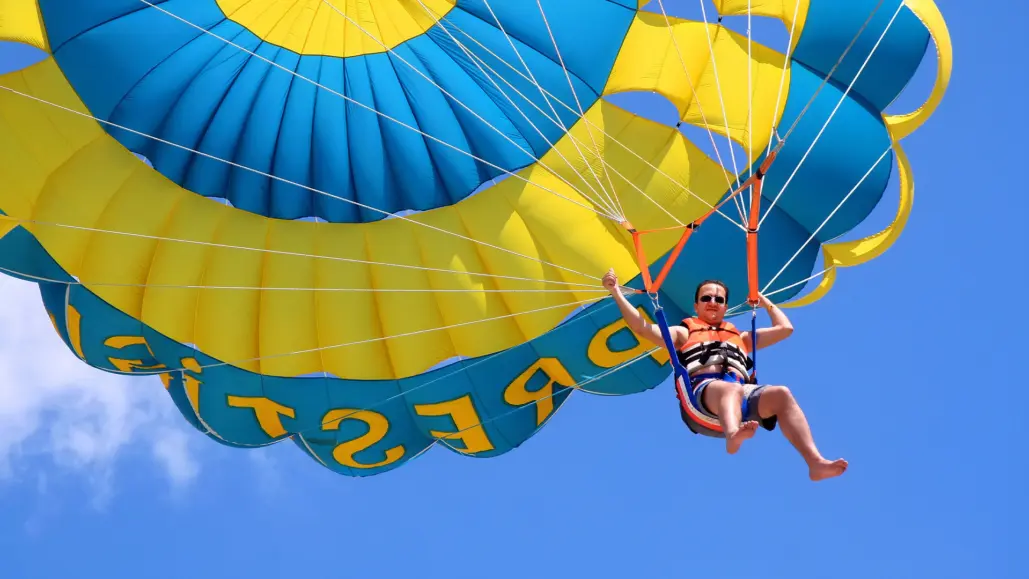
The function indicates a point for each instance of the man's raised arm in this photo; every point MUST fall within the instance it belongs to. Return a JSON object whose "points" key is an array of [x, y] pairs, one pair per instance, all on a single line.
{"points": [[781, 326], [633, 318]]}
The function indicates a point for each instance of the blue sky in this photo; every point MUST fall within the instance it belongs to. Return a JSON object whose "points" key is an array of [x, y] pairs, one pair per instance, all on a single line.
{"points": [[903, 369]]}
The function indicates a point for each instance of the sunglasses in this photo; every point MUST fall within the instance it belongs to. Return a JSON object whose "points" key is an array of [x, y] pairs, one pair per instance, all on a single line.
{"points": [[718, 299]]}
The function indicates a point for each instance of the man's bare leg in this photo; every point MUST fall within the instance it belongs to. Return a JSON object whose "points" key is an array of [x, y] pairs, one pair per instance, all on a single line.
{"points": [[779, 401], [724, 399]]}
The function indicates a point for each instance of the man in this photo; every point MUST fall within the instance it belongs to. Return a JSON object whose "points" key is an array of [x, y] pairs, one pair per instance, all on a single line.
{"points": [[718, 375]]}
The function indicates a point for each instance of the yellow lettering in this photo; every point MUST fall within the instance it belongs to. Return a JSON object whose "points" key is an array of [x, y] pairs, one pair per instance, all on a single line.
{"points": [[191, 384], [74, 330], [268, 413], [129, 365], [191, 364], [517, 393], [378, 426], [119, 342], [600, 352], [466, 420]]}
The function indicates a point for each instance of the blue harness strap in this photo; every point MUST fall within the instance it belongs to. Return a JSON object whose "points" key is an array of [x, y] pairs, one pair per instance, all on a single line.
{"points": [[745, 407], [662, 322]]}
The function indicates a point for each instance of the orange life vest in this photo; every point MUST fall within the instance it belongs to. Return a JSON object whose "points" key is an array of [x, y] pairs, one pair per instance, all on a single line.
{"points": [[721, 344]]}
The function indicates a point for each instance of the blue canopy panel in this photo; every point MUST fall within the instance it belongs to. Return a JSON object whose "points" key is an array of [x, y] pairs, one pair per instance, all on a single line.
{"points": [[148, 71]]}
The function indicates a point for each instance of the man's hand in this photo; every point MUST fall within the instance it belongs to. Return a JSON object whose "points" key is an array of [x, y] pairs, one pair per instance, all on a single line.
{"points": [[781, 328], [610, 280], [764, 301], [632, 317]]}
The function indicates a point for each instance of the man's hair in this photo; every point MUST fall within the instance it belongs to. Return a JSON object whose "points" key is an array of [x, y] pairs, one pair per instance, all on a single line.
{"points": [[696, 295]]}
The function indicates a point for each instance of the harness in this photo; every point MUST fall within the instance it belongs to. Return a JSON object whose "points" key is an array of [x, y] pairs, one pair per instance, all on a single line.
{"points": [[707, 344]]}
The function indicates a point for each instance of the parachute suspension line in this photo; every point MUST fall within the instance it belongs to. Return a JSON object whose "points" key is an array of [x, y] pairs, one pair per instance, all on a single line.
{"points": [[571, 87], [539, 87], [317, 349], [781, 139], [14, 273], [830, 216], [306, 187], [785, 67], [557, 117], [461, 103], [407, 334], [549, 96], [824, 271], [700, 106], [721, 98], [839, 61], [811, 238], [479, 63], [578, 285], [371, 110], [735, 309], [475, 60], [834, 111], [336, 420]]}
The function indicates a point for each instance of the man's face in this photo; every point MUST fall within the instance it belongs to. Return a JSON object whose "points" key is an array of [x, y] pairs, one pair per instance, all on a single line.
{"points": [[711, 303]]}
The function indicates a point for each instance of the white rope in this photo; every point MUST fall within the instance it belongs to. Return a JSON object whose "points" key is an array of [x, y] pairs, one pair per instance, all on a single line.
{"points": [[832, 70], [532, 77], [79, 282], [721, 99], [359, 342], [373, 110], [558, 390], [287, 181], [460, 103], [832, 114], [812, 237], [571, 86], [612, 138], [804, 281], [785, 67], [476, 61], [829, 217], [735, 310], [700, 107], [481, 63], [290, 253]]}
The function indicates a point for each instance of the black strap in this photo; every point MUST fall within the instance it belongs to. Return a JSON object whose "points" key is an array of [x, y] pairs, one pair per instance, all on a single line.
{"points": [[712, 329], [706, 351]]}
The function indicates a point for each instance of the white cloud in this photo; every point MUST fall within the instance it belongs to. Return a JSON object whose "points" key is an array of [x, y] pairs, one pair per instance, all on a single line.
{"points": [[80, 418], [171, 449]]}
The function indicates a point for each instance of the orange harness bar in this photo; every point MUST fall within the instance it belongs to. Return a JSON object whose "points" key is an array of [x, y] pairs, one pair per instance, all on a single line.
{"points": [[756, 180]]}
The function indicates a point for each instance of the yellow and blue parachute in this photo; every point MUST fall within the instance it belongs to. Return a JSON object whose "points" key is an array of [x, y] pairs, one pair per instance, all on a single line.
{"points": [[371, 225]]}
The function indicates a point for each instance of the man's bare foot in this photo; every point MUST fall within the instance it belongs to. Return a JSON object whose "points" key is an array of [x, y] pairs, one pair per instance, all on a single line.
{"points": [[747, 430], [824, 469]]}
